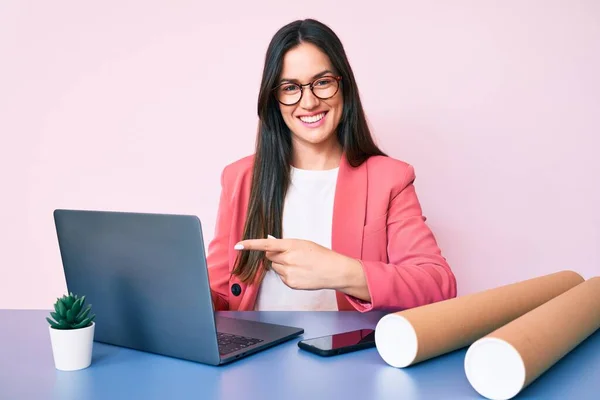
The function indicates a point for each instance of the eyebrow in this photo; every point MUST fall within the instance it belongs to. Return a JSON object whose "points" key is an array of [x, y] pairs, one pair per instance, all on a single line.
{"points": [[319, 75]]}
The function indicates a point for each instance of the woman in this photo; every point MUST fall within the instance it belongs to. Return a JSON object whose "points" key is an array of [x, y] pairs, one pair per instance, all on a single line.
{"points": [[328, 221]]}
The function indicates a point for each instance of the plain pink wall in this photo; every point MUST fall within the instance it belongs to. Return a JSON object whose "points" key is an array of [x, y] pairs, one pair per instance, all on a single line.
{"points": [[138, 105]]}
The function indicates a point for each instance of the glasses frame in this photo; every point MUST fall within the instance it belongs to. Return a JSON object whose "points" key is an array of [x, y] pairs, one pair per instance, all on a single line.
{"points": [[338, 78]]}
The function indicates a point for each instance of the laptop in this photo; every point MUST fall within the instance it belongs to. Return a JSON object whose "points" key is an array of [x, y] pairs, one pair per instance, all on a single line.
{"points": [[146, 277]]}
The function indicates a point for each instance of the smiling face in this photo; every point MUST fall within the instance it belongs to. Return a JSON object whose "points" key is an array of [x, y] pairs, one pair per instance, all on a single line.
{"points": [[312, 120]]}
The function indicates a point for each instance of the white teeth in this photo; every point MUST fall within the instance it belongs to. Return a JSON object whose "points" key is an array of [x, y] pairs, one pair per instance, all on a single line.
{"points": [[313, 118]]}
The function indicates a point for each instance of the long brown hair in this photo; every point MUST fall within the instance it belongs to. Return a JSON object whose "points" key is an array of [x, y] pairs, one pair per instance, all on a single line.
{"points": [[272, 159]]}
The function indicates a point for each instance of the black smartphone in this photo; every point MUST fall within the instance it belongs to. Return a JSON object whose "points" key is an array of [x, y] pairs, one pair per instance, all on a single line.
{"points": [[339, 343]]}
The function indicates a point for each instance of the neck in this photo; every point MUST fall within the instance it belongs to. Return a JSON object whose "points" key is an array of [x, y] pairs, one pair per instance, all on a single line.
{"points": [[317, 157]]}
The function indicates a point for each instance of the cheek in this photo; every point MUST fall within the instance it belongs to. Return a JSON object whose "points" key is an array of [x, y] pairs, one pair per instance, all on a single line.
{"points": [[337, 103], [287, 114], [338, 106]]}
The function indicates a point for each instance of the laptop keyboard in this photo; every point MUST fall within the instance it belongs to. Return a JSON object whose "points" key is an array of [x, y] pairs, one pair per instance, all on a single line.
{"points": [[229, 343]]}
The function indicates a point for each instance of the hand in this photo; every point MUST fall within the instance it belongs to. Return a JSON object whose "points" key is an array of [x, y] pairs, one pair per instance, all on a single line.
{"points": [[301, 264]]}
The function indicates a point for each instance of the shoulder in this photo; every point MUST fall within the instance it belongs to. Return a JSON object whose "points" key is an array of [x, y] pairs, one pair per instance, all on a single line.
{"points": [[383, 163], [236, 178], [237, 169], [390, 171]]}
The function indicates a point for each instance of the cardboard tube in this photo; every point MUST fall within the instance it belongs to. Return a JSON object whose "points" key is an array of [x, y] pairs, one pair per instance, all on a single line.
{"points": [[407, 337], [503, 363]]}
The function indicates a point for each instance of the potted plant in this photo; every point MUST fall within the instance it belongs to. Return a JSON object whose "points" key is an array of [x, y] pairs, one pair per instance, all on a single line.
{"points": [[71, 333]]}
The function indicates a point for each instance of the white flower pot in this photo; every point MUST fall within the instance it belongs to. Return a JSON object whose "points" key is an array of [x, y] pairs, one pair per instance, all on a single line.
{"points": [[72, 348]]}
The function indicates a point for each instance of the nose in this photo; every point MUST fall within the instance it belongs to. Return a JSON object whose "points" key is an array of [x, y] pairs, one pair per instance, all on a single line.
{"points": [[309, 100]]}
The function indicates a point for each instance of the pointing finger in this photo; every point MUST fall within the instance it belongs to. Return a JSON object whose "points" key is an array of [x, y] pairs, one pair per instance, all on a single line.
{"points": [[278, 245], [276, 256]]}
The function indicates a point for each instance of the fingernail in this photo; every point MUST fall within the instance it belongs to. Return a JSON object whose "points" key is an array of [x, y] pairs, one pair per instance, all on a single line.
{"points": [[239, 247], [271, 237]]}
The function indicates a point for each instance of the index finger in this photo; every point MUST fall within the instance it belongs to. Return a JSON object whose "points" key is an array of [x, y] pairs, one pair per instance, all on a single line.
{"points": [[263, 245]]}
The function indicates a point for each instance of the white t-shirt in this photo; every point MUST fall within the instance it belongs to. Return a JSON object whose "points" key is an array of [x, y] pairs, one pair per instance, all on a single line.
{"points": [[308, 215]]}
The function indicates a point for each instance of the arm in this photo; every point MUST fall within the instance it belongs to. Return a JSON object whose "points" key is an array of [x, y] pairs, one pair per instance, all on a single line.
{"points": [[417, 273], [218, 253]]}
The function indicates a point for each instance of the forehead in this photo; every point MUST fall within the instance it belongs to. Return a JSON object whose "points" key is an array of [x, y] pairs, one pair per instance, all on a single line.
{"points": [[304, 61]]}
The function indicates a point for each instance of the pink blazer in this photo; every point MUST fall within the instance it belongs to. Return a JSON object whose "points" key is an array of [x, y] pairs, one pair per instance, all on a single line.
{"points": [[377, 219]]}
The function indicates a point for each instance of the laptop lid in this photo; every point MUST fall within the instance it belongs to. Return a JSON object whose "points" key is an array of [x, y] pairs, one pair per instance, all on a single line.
{"points": [[146, 278]]}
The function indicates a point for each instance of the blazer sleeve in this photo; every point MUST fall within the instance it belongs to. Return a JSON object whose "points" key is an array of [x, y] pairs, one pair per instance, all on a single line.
{"points": [[218, 251], [417, 273]]}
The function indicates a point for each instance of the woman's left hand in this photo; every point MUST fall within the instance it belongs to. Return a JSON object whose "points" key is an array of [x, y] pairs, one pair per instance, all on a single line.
{"points": [[302, 264]]}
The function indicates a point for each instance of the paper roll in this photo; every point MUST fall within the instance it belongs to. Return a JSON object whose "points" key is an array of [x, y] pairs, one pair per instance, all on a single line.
{"points": [[503, 363], [407, 337]]}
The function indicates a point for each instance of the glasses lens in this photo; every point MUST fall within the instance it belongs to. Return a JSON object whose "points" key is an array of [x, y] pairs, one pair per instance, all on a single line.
{"points": [[325, 88], [289, 93]]}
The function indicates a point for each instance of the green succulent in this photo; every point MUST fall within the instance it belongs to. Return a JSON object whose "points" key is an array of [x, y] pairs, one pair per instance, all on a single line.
{"points": [[69, 313]]}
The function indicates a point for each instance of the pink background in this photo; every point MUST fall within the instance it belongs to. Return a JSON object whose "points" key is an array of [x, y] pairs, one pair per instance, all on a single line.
{"points": [[138, 105]]}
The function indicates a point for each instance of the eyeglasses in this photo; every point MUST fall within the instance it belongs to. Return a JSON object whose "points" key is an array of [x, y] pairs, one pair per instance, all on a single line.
{"points": [[289, 93]]}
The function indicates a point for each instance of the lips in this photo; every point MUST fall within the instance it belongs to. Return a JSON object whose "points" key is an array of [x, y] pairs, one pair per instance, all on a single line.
{"points": [[311, 119]]}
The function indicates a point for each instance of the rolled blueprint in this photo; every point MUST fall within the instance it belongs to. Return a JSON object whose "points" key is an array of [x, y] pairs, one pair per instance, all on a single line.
{"points": [[503, 363], [407, 337]]}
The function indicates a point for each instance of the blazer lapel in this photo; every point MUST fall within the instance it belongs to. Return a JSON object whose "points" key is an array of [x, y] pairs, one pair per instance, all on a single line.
{"points": [[349, 215]]}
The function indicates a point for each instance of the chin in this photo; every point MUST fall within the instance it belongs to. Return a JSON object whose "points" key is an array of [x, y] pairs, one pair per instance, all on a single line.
{"points": [[316, 136]]}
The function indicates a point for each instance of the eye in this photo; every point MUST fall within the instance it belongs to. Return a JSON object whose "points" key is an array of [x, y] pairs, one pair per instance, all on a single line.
{"points": [[289, 87], [324, 82]]}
